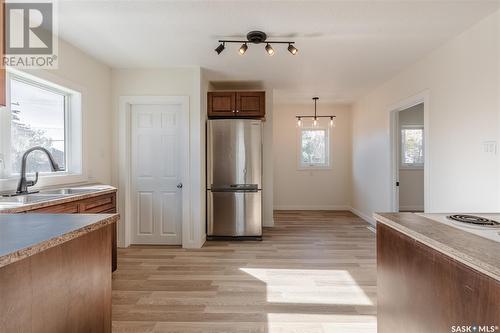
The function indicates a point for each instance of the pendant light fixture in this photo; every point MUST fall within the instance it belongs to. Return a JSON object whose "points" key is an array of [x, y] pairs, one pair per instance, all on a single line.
{"points": [[256, 37], [315, 117]]}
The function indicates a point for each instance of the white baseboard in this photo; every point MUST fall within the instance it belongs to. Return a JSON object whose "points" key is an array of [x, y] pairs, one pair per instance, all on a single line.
{"points": [[365, 217], [309, 207], [268, 223]]}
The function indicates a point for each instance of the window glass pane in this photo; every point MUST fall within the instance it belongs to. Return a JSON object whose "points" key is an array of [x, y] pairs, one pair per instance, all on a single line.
{"points": [[413, 148], [37, 120], [313, 147]]}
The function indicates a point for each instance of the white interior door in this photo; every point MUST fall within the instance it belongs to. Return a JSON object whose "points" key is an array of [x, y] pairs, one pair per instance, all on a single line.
{"points": [[156, 180]]}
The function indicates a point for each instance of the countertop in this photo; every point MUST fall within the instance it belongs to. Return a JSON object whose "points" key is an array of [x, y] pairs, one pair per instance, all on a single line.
{"points": [[50, 200], [24, 235], [473, 251]]}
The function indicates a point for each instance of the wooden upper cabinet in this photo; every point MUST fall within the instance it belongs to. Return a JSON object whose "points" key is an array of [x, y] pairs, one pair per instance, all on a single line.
{"points": [[251, 104], [2, 49], [239, 104], [221, 104]]}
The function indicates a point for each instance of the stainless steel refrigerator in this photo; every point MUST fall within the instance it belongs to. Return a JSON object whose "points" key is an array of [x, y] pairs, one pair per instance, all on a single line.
{"points": [[234, 178]]}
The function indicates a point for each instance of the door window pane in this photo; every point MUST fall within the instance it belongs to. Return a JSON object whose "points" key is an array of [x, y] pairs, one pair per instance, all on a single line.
{"points": [[314, 148], [412, 152], [38, 119]]}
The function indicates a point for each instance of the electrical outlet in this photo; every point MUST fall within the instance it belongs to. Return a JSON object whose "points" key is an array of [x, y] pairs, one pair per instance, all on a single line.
{"points": [[490, 147]]}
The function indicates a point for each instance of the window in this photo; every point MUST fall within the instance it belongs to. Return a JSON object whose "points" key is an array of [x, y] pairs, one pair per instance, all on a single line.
{"points": [[39, 113], [37, 119], [412, 146], [314, 148]]}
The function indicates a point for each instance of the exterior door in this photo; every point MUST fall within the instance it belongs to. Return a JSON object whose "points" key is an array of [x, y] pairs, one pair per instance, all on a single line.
{"points": [[156, 174]]}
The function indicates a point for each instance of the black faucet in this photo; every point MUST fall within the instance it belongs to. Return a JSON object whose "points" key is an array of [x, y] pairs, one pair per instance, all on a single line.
{"points": [[22, 187]]}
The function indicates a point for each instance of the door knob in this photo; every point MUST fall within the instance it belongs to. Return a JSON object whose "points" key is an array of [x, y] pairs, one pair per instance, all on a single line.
{"points": [[179, 185]]}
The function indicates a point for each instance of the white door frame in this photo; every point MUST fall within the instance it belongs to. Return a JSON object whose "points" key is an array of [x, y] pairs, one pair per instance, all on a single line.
{"points": [[394, 110], [124, 158]]}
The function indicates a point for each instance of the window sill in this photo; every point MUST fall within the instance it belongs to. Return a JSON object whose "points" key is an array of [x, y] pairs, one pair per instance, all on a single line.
{"points": [[326, 168], [49, 179], [406, 167]]}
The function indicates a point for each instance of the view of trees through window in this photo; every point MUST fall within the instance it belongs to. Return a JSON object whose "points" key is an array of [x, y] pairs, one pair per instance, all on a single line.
{"points": [[313, 147], [38, 117], [412, 146]]}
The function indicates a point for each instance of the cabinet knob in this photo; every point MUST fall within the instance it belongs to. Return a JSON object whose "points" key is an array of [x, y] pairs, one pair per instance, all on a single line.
{"points": [[234, 111], [237, 111]]}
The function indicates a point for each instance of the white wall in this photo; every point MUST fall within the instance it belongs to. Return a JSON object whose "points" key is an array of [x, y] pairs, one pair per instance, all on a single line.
{"points": [[311, 189], [170, 82], [411, 180], [462, 78], [268, 163]]}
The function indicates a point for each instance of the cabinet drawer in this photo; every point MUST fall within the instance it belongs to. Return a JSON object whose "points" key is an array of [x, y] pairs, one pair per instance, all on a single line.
{"points": [[100, 204]]}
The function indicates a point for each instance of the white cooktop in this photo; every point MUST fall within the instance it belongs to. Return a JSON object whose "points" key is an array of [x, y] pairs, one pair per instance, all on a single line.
{"points": [[490, 233]]}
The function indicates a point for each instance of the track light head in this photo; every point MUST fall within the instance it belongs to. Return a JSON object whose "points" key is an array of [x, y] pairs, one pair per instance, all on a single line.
{"points": [[243, 49], [220, 48], [269, 49], [292, 49]]}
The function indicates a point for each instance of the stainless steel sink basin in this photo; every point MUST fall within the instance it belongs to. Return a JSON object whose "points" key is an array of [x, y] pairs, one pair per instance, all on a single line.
{"points": [[27, 199], [67, 191]]}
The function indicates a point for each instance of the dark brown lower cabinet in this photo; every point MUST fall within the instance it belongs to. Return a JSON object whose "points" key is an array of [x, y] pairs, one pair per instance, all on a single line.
{"points": [[422, 290], [66, 288], [100, 204]]}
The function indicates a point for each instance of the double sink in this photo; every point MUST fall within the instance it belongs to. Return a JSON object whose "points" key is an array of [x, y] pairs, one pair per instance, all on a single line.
{"points": [[43, 195]]}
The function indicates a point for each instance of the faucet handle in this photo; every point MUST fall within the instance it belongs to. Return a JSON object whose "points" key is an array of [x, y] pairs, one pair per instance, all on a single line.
{"points": [[33, 182]]}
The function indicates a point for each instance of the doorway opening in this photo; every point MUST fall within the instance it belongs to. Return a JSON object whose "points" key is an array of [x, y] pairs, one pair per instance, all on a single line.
{"points": [[409, 143]]}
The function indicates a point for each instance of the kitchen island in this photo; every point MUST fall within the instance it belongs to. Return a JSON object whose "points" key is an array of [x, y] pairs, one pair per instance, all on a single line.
{"points": [[55, 272], [433, 277]]}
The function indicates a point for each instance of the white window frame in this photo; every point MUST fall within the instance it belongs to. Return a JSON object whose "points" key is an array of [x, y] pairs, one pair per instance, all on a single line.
{"points": [[73, 135], [328, 164], [410, 166]]}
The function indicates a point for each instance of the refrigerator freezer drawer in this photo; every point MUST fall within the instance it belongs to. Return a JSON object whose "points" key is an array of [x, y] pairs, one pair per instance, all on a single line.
{"points": [[234, 214]]}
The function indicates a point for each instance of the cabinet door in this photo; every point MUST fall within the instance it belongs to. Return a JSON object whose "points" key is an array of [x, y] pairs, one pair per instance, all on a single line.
{"points": [[221, 104], [250, 104]]}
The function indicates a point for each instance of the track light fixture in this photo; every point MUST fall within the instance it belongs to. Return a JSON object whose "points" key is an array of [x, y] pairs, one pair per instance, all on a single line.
{"points": [[243, 48], [292, 49], [220, 48], [315, 116], [256, 37], [269, 49]]}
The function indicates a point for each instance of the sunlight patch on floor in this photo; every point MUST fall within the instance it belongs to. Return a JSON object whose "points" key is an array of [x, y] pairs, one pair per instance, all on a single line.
{"points": [[310, 286]]}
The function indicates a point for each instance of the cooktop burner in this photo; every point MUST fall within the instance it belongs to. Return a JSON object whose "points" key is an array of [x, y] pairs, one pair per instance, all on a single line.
{"points": [[474, 220]]}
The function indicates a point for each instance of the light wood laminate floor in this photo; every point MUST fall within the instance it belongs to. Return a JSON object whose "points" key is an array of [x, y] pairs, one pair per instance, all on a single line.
{"points": [[315, 271]]}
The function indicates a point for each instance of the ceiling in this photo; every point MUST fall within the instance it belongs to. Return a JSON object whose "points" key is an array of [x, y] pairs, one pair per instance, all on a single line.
{"points": [[345, 47]]}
